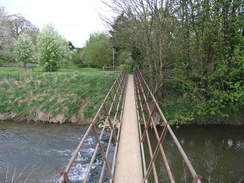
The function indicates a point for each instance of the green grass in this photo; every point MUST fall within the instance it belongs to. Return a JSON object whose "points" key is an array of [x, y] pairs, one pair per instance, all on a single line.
{"points": [[24, 93], [180, 110]]}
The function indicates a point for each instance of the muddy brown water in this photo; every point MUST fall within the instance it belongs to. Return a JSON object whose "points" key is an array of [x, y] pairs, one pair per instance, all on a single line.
{"points": [[37, 153]]}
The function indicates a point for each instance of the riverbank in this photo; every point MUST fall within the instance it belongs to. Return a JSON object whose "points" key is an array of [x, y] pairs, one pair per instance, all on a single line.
{"points": [[179, 110], [70, 95]]}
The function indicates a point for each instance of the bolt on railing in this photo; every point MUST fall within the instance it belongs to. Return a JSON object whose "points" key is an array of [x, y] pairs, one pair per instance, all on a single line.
{"points": [[150, 114], [110, 112]]}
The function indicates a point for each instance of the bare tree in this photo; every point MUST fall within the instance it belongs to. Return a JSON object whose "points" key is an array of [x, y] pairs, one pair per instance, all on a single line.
{"points": [[149, 26], [18, 25], [5, 37], [11, 27]]}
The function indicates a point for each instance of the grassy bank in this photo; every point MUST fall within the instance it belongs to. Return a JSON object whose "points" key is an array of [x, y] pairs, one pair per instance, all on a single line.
{"points": [[179, 110], [70, 95]]}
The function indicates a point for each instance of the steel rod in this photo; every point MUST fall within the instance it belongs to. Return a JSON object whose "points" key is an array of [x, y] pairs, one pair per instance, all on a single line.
{"points": [[111, 135], [182, 152], [165, 160], [117, 84], [148, 139], [100, 137]]}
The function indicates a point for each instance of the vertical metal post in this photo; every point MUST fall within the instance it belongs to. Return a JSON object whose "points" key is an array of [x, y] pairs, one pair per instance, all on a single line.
{"points": [[113, 59]]}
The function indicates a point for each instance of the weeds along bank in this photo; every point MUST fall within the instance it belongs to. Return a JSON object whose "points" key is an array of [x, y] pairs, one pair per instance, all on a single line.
{"points": [[71, 95]]}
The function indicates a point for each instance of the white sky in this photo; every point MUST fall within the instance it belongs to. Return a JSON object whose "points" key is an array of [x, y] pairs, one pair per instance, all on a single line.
{"points": [[74, 19]]}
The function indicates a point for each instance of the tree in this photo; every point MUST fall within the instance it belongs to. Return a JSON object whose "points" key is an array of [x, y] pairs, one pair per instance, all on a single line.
{"points": [[98, 51], [5, 37], [4, 29], [53, 50], [77, 57], [11, 27], [124, 57], [188, 48], [71, 46], [24, 49], [19, 24]]}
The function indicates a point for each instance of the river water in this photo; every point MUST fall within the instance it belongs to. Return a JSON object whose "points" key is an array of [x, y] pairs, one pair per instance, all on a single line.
{"points": [[37, 153], [216, 153]]}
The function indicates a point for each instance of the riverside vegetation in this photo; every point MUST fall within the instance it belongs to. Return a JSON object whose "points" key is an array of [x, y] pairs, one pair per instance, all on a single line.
{"points": [[50, 92], [70, 95], [191, 53]]}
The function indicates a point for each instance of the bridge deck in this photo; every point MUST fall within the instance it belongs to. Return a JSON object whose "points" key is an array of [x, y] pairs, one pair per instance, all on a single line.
{"points": [[129, 166]]}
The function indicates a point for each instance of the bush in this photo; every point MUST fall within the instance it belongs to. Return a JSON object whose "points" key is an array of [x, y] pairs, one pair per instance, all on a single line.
{"points": [[125, 67], [6, 59]]}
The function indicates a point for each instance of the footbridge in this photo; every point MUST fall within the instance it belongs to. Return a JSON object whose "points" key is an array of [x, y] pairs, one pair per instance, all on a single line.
{"points": [[130, 131]]}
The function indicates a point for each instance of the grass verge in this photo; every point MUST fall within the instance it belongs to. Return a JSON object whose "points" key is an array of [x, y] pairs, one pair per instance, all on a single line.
{"points": [[70, 95]]}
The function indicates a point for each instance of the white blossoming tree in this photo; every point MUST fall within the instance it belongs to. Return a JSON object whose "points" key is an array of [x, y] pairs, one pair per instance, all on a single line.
{"points": [[24, 49], [53, 49]]}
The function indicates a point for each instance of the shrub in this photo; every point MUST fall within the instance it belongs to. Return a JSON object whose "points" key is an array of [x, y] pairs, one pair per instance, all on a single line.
{"points": [[125, 67]]}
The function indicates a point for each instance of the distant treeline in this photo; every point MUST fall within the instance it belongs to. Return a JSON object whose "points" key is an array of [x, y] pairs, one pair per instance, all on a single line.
{"points": [[23, 43], [191, 52], [11, 27]]}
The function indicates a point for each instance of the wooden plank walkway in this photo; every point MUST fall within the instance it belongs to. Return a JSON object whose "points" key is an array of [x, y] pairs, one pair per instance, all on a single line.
{"points": [[129, 165]]}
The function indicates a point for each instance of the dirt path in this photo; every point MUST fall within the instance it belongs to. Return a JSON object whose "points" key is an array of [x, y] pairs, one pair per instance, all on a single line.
{"points": [[129, 166]]}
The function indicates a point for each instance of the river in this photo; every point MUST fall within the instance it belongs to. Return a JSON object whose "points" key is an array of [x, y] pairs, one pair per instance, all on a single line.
{"points": [[216, 153], [37, 153]]}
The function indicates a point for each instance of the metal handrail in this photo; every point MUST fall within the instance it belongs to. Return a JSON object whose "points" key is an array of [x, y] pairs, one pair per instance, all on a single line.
{"points": [[148, 108], [111, 110], [115, 100]]}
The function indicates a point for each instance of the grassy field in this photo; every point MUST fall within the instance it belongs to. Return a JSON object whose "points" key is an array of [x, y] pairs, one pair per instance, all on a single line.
{"points": [[70, 95]]}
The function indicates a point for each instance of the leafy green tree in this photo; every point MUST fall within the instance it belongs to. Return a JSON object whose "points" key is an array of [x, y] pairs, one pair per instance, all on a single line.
{"points": [[11, 27], [191, 53], [124, 57], [53, 49], [77, 57], [24, 49], [98, 51], [6, 41]]}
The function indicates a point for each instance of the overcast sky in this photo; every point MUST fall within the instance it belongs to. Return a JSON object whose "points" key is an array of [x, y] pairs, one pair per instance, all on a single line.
{"points": [[74, 19]]}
